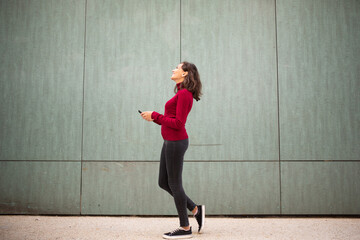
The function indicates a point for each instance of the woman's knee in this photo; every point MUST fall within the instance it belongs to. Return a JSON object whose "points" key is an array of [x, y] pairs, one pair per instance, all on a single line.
{"points": [[176, 187], [164, 185]]}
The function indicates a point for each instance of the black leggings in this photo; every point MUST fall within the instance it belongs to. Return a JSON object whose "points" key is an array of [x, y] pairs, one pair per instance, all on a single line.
{"points": [[170, 176]]}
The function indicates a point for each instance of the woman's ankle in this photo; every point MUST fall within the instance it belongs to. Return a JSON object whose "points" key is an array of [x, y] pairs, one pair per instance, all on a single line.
{"points": [[195, 210], [186, 228]]}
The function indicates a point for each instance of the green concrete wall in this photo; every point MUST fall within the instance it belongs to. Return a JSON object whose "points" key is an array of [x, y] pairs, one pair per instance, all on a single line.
{"points": [[276, 132]]}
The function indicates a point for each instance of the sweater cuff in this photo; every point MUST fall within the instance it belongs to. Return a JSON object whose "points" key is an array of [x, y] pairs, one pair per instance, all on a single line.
{"points": [[154, 115]]}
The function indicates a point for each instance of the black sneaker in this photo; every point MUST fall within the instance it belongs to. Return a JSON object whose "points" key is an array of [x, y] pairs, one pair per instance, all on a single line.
{"points": [[200, 217], [179, 233]]}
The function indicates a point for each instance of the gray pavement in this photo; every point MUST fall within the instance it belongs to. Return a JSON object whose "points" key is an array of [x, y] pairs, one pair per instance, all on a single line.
{"points": [[25, 227]]}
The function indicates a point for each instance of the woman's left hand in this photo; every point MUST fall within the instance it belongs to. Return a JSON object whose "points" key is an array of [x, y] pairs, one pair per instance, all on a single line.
{"points": [[147, 115]]}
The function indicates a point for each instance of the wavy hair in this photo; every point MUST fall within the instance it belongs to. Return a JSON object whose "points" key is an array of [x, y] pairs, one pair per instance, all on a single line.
{"points": [[192, 80]]}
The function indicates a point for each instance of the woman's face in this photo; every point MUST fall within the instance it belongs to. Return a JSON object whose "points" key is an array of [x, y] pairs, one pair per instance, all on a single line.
{"points": [[178, 73]]}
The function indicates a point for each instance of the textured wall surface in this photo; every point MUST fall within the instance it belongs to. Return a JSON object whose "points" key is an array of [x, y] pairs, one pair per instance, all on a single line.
{"points": [[42, 57], [229, 40], [276, 132], [319, 79], [131, 48], [40, 187], [319, 110]]}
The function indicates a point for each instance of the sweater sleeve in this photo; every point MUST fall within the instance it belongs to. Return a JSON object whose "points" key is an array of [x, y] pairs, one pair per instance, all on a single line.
{"points": [[183, 108], [153, 116]]}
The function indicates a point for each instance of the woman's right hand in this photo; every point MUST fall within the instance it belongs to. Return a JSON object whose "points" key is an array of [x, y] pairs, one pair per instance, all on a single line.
{"points": [[147, 115]]}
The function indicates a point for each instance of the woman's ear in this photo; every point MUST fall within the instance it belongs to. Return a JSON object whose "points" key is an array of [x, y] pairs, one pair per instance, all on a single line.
{"points": [[184, 74]]}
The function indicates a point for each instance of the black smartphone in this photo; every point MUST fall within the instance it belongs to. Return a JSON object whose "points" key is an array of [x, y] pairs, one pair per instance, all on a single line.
{"points": [[139, 111]]}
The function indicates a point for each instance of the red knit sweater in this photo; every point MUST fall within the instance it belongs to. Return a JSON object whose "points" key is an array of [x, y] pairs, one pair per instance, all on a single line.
{"points": [[174, 119]]}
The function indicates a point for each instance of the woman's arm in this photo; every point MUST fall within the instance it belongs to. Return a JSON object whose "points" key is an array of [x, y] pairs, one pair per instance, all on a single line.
{"points": [[155, 121], [183, 108]]}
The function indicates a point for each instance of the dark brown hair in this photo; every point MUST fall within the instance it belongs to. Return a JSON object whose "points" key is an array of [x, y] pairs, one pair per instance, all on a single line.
{"points": [[192, 80]]}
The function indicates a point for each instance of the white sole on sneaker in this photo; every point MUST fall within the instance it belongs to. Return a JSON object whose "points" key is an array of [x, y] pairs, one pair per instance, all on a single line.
{"points": [[202, 218], [177, 237]]}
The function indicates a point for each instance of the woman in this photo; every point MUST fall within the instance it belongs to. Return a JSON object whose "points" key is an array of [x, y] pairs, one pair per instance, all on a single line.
{"points": [[176, 142]]}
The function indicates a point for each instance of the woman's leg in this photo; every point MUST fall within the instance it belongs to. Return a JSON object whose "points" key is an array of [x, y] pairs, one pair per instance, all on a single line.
{"points": [[163, 179], [174, 158]]}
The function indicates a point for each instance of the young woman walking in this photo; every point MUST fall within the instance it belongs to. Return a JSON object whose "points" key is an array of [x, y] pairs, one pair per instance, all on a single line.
{"points": [[176, 142]]}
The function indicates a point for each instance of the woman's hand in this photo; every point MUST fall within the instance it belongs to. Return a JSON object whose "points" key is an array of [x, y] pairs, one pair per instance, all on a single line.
{"points": [[147, 116]]}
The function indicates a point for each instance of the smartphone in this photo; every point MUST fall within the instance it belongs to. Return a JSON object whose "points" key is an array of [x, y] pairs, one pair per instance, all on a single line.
{"points": [[139, 111]]}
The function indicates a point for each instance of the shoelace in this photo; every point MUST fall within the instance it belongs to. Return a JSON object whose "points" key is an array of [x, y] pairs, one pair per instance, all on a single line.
{"points": [[176, 230]]}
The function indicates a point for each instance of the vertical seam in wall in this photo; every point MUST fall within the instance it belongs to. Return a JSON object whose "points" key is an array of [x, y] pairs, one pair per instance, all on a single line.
{"points": [[278, 103], [180, 31], [83, 103]]}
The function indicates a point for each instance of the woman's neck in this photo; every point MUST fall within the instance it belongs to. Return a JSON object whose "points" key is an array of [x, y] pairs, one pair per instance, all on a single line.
{"points": [[179, 80]]}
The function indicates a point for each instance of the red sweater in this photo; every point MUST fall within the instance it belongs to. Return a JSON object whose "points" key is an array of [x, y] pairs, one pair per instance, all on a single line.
{"points": [[176, 111]]}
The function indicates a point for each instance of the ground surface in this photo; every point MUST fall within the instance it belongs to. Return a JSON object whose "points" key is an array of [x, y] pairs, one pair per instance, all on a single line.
{"points": [[22, 227]]}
